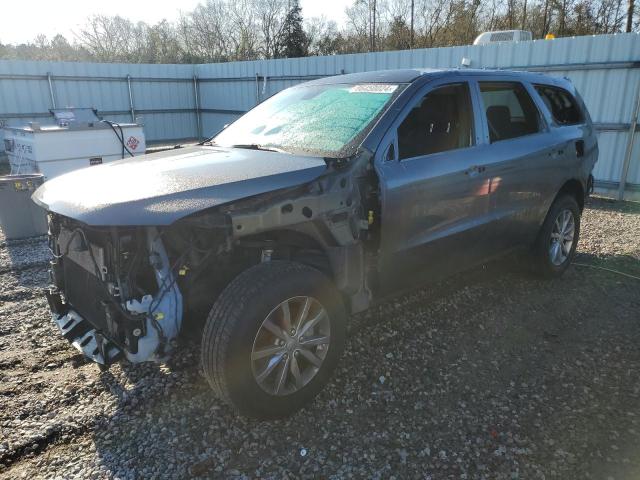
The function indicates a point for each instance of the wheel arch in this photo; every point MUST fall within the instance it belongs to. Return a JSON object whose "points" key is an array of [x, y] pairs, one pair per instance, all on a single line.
{"points": [[575, 188], [572, 187], [295, 245], [311, 245], [235, 318]]}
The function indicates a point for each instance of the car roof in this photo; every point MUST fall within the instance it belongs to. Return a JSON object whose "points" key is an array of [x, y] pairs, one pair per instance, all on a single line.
{"points": [[378, 76], [414, 74]]}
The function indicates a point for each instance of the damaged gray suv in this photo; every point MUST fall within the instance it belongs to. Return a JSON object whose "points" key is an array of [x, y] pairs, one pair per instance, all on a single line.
{"points": [[312, 206]]}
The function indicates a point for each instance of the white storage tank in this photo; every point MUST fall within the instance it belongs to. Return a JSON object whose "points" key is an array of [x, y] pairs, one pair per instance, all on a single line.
{"points": [[78, 139]]}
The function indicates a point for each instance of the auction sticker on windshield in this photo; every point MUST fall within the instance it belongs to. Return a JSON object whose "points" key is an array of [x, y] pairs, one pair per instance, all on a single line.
{"points": [[373, 88]]}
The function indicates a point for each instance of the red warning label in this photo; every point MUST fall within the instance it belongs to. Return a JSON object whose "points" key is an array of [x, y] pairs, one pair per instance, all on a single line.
{"points": [[133, 143]]}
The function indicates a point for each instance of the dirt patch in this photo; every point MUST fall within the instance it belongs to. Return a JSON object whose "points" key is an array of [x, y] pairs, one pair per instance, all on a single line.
{"points": [[489, 375]]}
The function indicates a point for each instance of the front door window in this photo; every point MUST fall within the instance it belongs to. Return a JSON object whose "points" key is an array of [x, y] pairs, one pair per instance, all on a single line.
{"points": [[442, 120]]}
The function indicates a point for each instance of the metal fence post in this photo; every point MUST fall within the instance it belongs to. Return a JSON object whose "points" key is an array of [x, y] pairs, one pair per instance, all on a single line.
{"points": [[629, 151], [51, 94], [196, 96], [257, 88], [131, 106]]}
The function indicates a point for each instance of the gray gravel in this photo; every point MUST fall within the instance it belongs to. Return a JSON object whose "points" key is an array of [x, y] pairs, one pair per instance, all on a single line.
{"points": [[488, 375]]}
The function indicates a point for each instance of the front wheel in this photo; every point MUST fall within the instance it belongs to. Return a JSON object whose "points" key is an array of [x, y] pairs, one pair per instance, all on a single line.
{"points": [[557, 240], [272, 338]]}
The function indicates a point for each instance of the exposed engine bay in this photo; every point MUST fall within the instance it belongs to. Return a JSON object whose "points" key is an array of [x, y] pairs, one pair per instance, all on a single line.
{"points": [[125, 292], [122, 280]]}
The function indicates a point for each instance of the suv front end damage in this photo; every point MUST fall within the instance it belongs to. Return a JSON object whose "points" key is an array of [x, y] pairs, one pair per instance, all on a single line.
{"points": [[114, 292], [121, 292], [322, 199]]}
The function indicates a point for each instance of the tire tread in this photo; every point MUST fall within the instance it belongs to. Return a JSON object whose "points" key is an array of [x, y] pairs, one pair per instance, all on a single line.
{"points": [[224, 315], [540, 265]]}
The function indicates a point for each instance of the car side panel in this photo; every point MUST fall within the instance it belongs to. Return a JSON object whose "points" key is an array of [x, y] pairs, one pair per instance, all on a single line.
{"points": [[525, 173], [434, 207], [571, 161]]}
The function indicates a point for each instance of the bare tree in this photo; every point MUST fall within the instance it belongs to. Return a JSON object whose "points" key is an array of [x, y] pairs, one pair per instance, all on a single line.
{"points": [[110, 39], [227, 30], [359, 25], [323, 36], [205, 32], [271, 14]]}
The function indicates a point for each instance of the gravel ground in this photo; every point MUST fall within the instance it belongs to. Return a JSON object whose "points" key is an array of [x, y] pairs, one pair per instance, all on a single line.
{"points": [[488, 375]]}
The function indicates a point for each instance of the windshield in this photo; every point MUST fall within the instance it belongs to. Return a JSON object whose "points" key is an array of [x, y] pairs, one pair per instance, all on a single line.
{"points": [[322, 120]]}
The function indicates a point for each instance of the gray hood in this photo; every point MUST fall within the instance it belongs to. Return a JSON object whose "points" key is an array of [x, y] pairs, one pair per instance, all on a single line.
{"points": [[160, 188]]}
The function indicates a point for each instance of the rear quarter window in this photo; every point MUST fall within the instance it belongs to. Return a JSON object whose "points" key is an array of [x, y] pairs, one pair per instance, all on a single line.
{"points": [[562, 105]]}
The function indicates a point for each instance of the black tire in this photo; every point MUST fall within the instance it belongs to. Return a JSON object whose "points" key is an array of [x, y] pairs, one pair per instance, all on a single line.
{"points": [[541, 262], [234, 321]]}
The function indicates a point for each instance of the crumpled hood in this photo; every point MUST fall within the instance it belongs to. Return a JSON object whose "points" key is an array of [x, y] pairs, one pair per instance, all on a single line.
{"points": [[160, 188]]}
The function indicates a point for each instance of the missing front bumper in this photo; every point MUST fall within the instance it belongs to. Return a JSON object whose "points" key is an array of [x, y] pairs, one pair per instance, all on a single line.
{"points": [[81, 334], [104, 327]]}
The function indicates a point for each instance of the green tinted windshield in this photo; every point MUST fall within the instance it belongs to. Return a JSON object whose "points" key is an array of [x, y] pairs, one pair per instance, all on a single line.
{"points": [[325, 120]]}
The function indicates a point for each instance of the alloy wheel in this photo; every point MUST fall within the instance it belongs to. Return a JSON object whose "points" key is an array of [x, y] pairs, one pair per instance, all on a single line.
{"points": [[562, 237], [291, 345]]}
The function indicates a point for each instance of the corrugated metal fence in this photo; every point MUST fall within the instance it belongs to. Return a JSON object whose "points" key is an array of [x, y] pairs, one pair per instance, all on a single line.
{"points": [[162, 96], [179, 102]]}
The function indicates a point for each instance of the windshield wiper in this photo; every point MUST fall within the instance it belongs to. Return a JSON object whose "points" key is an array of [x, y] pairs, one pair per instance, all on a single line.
{"points": [[255, 146]]}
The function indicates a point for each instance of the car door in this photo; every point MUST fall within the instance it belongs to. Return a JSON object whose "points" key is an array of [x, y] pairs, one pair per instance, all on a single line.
{"points": [[434, 186], [572, 128], [524, 153]]}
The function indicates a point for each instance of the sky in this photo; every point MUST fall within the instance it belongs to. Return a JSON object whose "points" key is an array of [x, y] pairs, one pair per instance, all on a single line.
{"points": [[22, 21]]}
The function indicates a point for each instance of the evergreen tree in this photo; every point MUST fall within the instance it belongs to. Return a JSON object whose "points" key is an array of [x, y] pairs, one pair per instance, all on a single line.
{"points": [[294, 41], [399, 37]]}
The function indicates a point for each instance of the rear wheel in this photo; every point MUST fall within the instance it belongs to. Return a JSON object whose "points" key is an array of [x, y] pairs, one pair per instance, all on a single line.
{"points": [[272, 338], [558, 238]]}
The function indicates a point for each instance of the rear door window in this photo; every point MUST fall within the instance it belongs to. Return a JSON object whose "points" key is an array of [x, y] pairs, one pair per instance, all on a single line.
{"points": [[510, 110], [441, 120], [561, 104]]}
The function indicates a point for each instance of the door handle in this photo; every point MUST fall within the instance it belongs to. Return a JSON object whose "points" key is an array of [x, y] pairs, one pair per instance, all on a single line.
{"points": [[579, 148], [475, 170]]}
